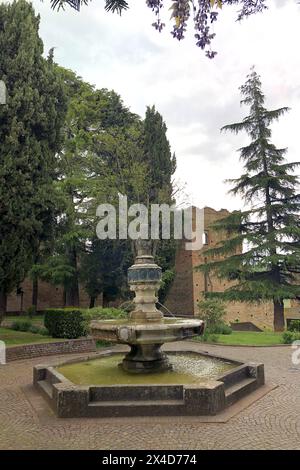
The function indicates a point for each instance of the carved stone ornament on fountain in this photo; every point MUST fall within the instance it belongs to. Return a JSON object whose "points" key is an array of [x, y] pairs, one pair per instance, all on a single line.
{"points": [[144, 279]]}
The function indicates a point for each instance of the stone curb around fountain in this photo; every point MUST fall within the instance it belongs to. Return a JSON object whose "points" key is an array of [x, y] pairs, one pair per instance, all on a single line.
{"points": [[68, 400]]}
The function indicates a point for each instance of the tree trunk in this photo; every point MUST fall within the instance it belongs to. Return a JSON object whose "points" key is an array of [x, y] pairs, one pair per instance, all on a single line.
{"points": [[279, 322], [35, 292], [72, 289], [105, 301], [64, 297], [3, 302], [72, 295], [92, 302]]}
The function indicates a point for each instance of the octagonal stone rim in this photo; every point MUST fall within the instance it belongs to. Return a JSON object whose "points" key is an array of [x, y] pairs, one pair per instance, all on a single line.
{"points": [[209, 398]]}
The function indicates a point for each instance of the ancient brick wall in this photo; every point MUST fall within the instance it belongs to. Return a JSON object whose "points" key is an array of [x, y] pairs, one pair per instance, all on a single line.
{"points": [[49, 296], [180, 298], [189, 284]]}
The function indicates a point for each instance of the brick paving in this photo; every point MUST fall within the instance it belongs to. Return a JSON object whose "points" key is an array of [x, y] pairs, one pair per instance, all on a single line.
{"points": [[272, 422]]}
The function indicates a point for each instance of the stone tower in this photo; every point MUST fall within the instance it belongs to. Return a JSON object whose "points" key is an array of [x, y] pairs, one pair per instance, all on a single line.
{"points": [[188, 286]]}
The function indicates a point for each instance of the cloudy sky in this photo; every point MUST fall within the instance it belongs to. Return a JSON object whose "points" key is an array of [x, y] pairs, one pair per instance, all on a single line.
{"points": [[195, 95]]}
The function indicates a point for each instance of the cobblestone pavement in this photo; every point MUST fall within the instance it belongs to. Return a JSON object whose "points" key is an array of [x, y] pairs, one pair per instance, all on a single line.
{"points": [[269, 423]]}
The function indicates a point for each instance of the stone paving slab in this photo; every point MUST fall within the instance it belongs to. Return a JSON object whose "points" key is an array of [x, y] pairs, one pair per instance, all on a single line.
{"points": [[271, 422]]}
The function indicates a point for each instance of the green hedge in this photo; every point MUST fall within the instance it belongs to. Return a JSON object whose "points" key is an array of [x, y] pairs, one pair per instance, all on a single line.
{"points": [[27, 326], [65, 323], [99, 313], [294, 325], [219, 329], [288, 337], [21, 325]]}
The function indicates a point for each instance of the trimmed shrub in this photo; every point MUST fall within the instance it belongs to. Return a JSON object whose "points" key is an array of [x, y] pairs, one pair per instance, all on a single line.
{"points": [[39, 331], [21, 325], [167, 280], [31, 311], [65, 323], [212, 311], [288, 337], [99, 313], [294, 325], [34, 329], [208, 337], [220, 329]]}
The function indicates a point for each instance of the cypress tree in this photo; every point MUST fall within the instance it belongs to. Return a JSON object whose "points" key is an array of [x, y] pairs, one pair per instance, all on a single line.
{"points": [[158, 157], [30, 126], [268, 266]]}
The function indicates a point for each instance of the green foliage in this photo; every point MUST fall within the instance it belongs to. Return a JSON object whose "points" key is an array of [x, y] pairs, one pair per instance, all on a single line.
{"points": [[294, 325], [168, 277], [30, 136], [99, 313], [65, 323], [201, 13], [34, 329], [212, 312], [104, 268], [127, 306], [260, 250], [288, 337], [160, 162], [207, 337], [100, 157], [25, 325], [21, 325], [101, 343], [219, 329], [31, 311]]}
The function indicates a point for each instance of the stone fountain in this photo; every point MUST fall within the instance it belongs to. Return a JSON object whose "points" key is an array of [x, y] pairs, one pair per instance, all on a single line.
{"points": [[203, 384], [146, 330]]}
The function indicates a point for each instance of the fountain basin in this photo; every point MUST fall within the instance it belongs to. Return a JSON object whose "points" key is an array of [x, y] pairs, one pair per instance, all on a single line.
{"points": [[147, 395], [145, 339]]}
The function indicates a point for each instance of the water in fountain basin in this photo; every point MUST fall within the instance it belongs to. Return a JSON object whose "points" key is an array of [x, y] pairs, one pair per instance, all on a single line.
{"points": [[187, 368]]}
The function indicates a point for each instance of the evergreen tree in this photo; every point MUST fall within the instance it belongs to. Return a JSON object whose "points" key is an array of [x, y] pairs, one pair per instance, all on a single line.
{"points": [[100, 157], [104, 269], [268, 267], [30, 125], [161, 164], [158, 158]]}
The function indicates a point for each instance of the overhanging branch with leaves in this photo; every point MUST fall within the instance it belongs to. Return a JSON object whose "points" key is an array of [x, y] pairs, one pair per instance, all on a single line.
{"points": [[202, 13]]}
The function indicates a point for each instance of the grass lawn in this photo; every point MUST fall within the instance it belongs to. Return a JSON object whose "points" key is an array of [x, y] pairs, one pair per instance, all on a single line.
{"points": [[37, 320], [249, 338], [14, 338]]}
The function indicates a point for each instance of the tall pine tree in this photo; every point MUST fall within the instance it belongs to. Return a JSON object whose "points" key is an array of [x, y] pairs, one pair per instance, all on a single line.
{"points": [[30, 125], [268, 266], [158, 157]]}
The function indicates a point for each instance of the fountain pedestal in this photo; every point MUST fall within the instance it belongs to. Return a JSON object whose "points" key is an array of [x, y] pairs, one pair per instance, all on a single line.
{"points": [[144, 358], [146, 330]]}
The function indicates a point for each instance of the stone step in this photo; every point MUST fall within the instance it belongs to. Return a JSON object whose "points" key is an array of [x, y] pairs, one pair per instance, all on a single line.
{"points": [[136, 393], [232, 377], [46, 388], [136, 403], [239, 390], [136, 408]]}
